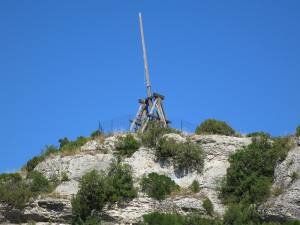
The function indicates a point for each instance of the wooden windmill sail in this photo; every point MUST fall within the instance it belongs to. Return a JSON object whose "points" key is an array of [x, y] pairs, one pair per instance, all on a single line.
{"points": [[151, 108]]}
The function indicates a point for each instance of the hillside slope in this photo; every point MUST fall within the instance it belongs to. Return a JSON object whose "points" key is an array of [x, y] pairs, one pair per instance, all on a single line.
{"points": [[56, 206]]}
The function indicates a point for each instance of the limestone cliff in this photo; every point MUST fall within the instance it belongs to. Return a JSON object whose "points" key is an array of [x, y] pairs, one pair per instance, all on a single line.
{"points": [[56, 207]]}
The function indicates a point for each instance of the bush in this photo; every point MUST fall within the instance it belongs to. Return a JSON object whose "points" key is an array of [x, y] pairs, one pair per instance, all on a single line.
{"points": [[163, 219], [38, 182], [49, 150], [120, 183], [70, 147], [295, 176], [186, 156], [251, 170], [98, 189], [171, 219], [195, 187], [13, 190], [208, 206], [241, 215], [212, 126], [235, 215], [259, 134], [63, 142], [127, 145], [298, 131], [17, 191], [92, 195], [151, 136], [64, 177], [32, 163], [158, 186], [96, 134]]}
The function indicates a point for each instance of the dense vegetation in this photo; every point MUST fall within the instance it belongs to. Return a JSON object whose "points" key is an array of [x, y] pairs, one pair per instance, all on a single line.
{"points": [[70, 147], [175, 219], [17, 191], [127, 145], [233, 216], [212, 126], [158, 186], [186, 156], [98, 189], [251, 170], [208, 206], [195, 186], [259, 134]]}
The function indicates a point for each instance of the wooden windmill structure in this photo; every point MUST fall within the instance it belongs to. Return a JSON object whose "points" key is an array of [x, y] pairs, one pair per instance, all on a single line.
{"points": [[151, 108]]}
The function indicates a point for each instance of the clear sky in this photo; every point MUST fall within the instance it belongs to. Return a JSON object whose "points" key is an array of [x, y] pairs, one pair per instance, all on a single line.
{"points": [[65, 65]]}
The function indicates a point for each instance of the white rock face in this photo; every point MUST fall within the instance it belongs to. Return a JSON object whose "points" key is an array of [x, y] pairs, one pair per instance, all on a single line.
{"points": [[74, 165], [217, 149], [178, 138], [67, 189], [286, 205]]}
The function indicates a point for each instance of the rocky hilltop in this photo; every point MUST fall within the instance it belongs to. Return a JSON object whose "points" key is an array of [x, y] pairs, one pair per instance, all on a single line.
{"points": [[96, 155]]}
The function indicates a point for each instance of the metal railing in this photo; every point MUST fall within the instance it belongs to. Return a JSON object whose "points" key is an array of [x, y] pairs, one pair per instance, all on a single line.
{"points": [[122, 124]]}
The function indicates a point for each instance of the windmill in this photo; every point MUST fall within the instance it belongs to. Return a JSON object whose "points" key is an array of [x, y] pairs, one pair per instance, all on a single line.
{"points": [[151, 108]]}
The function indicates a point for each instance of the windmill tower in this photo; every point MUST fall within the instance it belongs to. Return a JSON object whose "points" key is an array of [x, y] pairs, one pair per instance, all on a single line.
{"points": [[151, 108]]}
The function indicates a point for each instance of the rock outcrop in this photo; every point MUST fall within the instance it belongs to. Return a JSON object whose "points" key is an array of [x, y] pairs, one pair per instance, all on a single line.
{"points": [[95, 155], [98, 155], [285, 204]]}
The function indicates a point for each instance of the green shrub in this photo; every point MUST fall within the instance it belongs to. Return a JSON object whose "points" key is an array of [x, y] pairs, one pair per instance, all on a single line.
{"points": [[293, 222], [175, 219], [64, 177], [185, 156], [167, 148], [98, 189], [190, 157], [195, 219], [212, 126], [17, 191], [208, 206], [63, 142], [70, 147], [127, 145], [91, 195], [259, 134], [49, 150], [96, 134], [32, 163], [38, 182], [251, 170], [163, 219], [294, 176], [235, 215], [298, 131], [158, 186], [241, 215], [13, 190], [195, 186], [152, 135], [120, 183]]}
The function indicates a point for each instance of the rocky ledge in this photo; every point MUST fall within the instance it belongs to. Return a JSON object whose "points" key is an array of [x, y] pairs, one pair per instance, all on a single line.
{"points": [[285, 204]]}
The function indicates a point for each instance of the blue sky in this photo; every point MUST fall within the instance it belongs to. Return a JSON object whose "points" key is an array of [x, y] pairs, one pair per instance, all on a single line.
{"points": [[65, 65]]}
